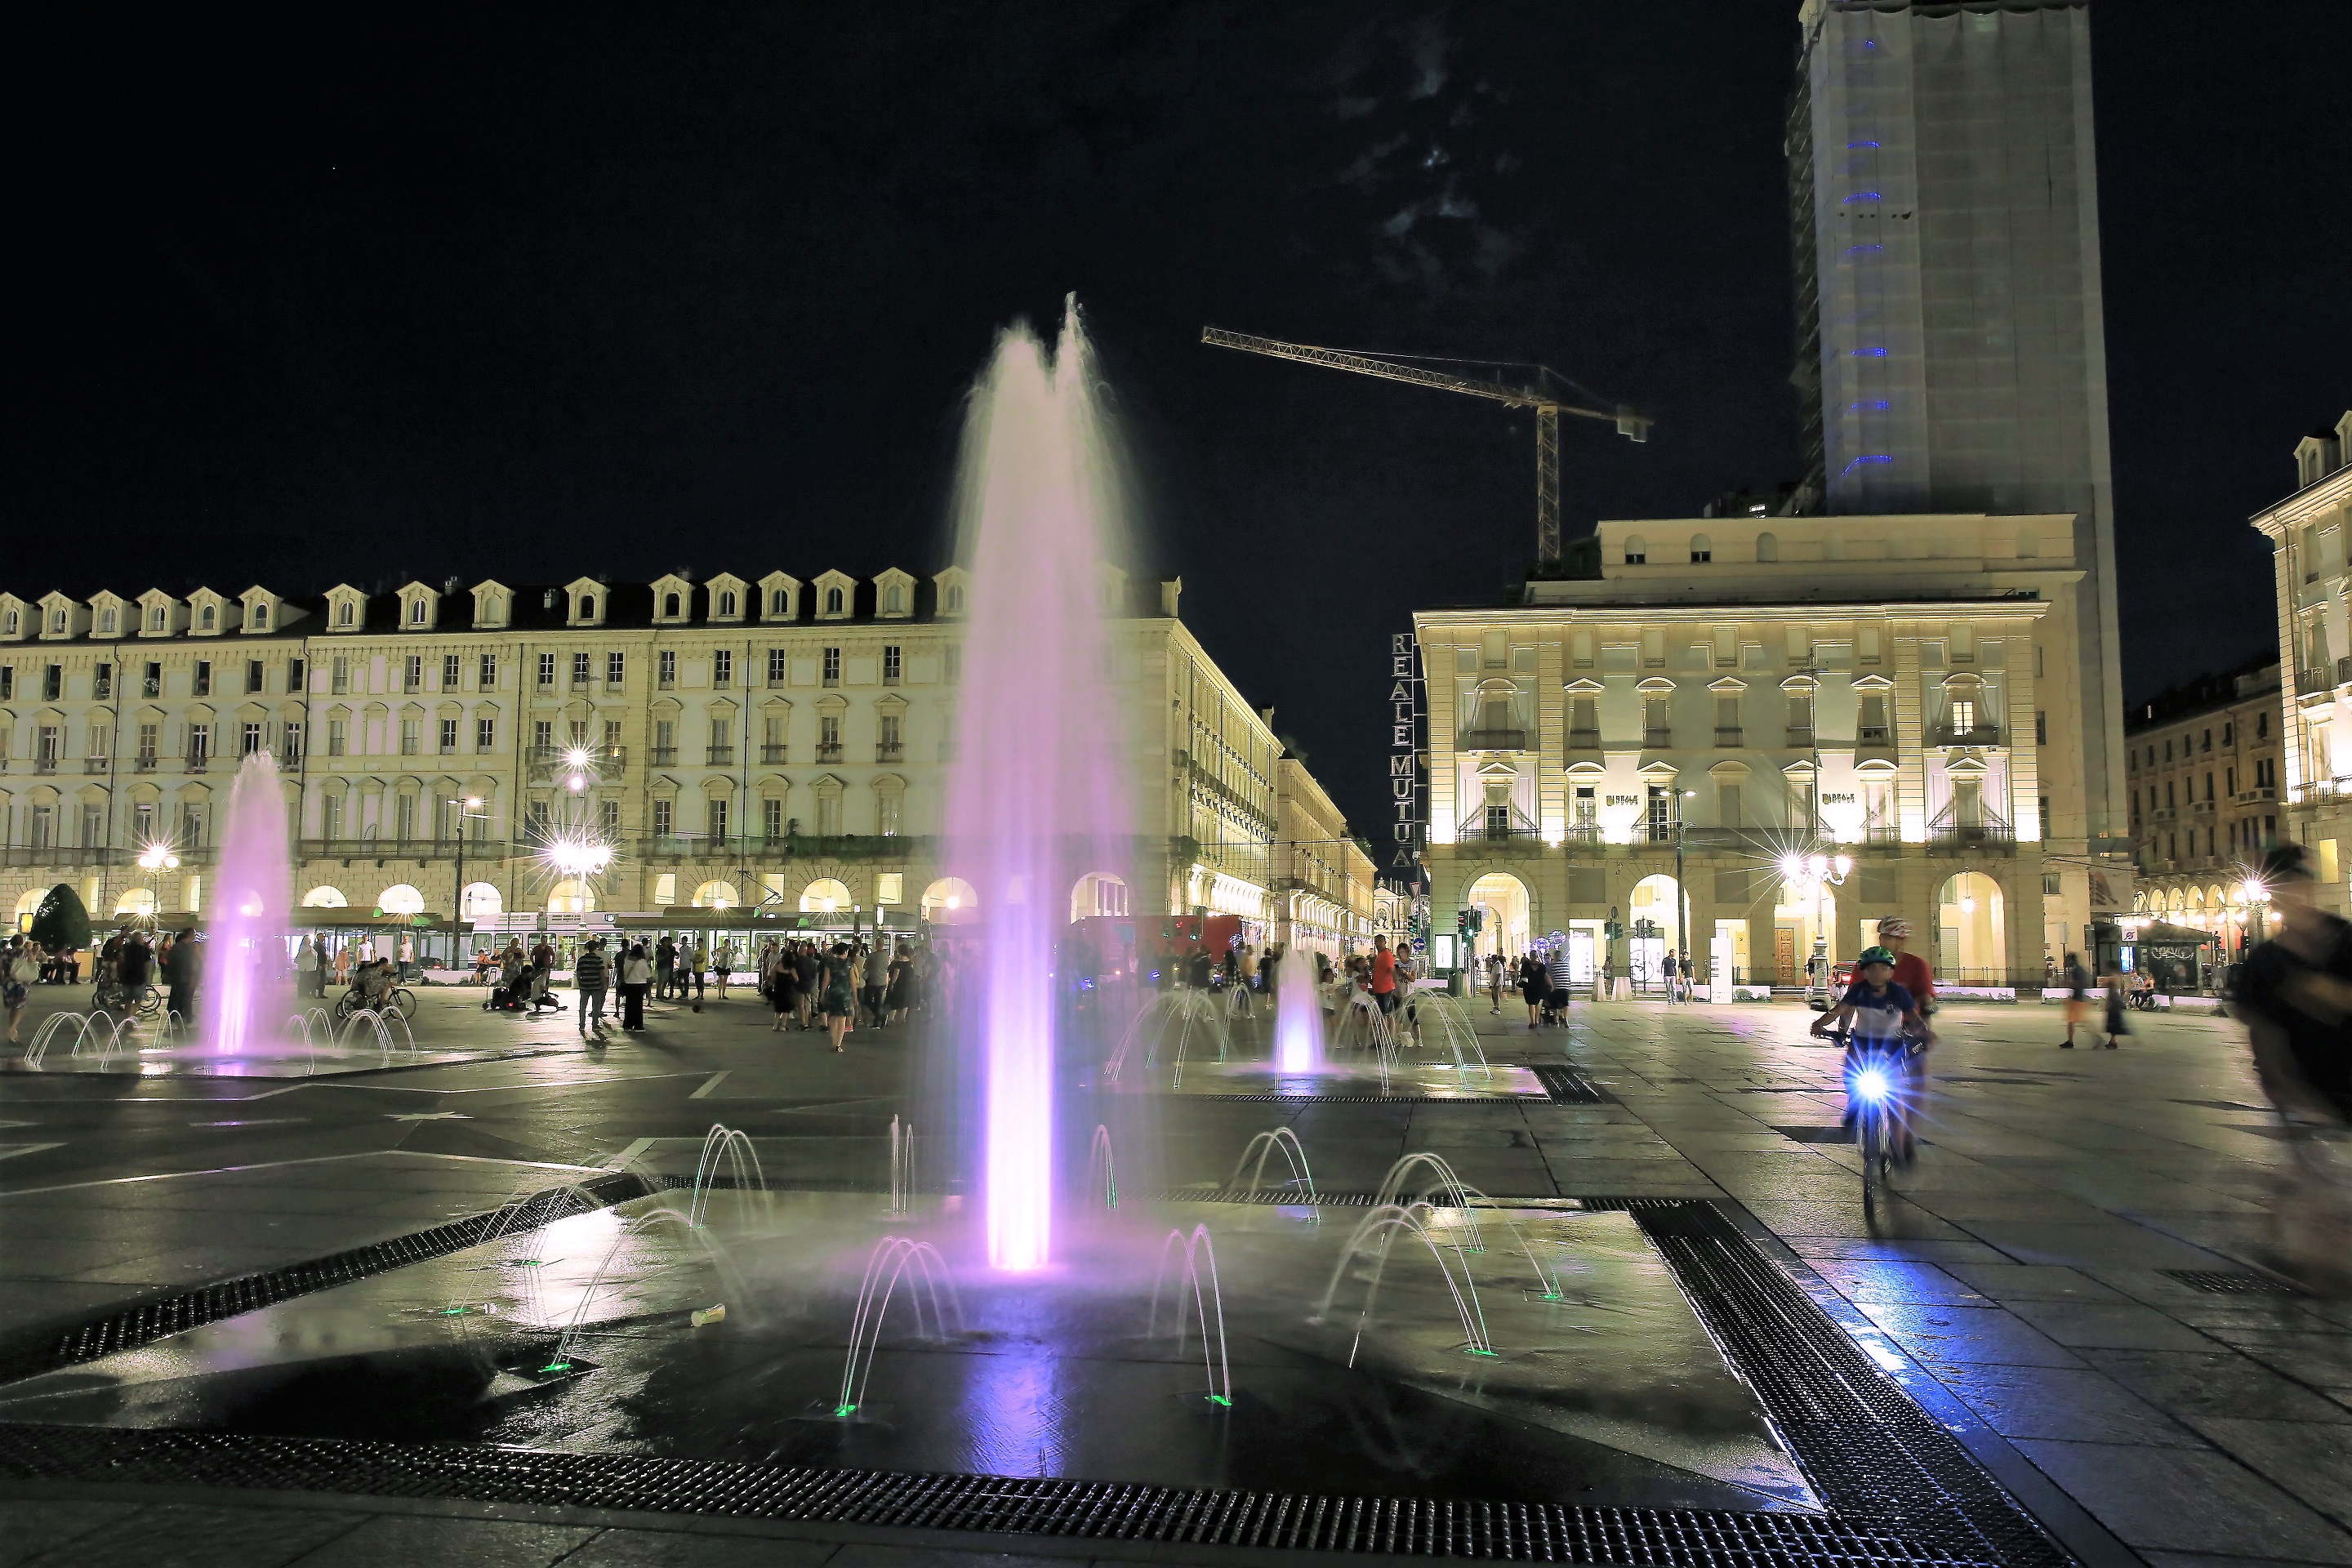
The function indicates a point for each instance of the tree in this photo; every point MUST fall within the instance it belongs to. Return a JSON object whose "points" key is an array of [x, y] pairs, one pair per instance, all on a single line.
{"points": [[61, 924]]}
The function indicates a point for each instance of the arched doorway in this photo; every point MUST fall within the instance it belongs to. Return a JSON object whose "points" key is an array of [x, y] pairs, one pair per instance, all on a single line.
{"points": [[1654, 928], [325, 898], [717, 896], [1972, 932], [951, 900], [1097, 893], [481, 901], [400, 899], [1508, 913], [825, 896], [139, 903], [28, 906], [572, 895]]}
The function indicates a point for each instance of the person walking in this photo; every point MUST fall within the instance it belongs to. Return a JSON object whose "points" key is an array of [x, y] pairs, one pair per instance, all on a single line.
{"points": [[874, 981], [1384, 986], [306, 966], [723, 962], [2119, 994], [407, 955], [181, 974], [840, 993], [698, 968], [2078, 1000], [1495, 984], [782, 986], [2294, 996], [807, 972], [665, 968], [636, 974], [19, 967], [589, 975]]}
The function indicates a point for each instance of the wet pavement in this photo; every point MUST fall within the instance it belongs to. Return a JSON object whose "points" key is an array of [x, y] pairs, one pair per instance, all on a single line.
{"points": [[2043, 1287]]}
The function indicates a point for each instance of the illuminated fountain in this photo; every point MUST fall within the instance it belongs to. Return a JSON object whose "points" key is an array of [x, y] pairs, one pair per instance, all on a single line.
{"points": [[1298, 1015], [246, 988], [1035, 796]]}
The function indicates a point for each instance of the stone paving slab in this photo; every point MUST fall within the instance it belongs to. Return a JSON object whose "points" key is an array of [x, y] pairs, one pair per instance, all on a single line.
{"points": [[2052, 1187]]}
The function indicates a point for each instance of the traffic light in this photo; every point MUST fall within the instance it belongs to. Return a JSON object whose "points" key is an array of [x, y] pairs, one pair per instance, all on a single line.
{"points": [[1461, 922]]}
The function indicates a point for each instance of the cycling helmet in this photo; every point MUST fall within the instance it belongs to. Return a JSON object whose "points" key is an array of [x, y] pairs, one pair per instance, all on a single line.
{"points": [[1894, 927], [1871, 956]]}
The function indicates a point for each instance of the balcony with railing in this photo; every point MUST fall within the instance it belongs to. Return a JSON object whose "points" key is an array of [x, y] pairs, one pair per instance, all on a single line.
{"points": [[719, 757], [45, 763], [665, 757], [1729, 735], [774, 752], [145, 762], [1950, 734], [483, 849], [197, 762], [890, 751], [1874, 743], [828, 752], [1499, 828], [605, 761], [1801, 738], [1953, 828], [1508, 739], [1657, 737], [97, 765], [17, 857], [1584, 739]]}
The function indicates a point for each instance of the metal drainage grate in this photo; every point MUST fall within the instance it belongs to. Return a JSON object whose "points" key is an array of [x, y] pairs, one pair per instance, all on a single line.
{"points": [[2229, 1282], [1569, 1087], [1359, 1098], [1416, 1527], [1872, 1455], [147, 1321]]}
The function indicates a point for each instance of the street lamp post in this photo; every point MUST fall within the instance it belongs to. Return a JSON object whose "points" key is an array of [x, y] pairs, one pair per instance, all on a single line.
{"points": [[1816, 872], [1682, 892], [469, 809], [155, 859]]}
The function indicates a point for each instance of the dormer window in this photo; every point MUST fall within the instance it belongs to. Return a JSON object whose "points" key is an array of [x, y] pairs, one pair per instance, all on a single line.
{"points": [[1637, 552], [955, 598], [727, 606], [588, 608], [1702, 550], [416, 611], [780, 601], [669, 606], [161, 616], [344, 614], [12, 623], [832, 605], [58, 621], [894, 600], [261, 618], [494, 607], [106, 623]]}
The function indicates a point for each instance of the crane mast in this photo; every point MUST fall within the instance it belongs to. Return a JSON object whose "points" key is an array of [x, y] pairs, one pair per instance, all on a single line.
{"points": [[1549, 406]]}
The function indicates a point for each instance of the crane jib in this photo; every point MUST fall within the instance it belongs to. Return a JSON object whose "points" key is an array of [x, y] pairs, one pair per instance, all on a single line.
{"points": [[1547, 408]]}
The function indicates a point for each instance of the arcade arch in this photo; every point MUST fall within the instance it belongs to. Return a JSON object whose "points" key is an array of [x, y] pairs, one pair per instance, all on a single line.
{"points": [[951, 900], [1972, 931], [1509, 915]]}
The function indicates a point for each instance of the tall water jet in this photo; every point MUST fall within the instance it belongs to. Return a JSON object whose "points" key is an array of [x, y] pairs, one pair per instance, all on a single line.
{"points": [[1298, 1015], [1035, 795], [245, 990]]}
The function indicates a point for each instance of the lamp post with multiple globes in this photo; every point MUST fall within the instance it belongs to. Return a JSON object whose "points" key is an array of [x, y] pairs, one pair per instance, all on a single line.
{"points": [[1814, 874]]}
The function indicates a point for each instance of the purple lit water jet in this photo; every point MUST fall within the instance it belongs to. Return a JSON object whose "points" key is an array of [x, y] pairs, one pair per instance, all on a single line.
{"points": [[1298, 1015], [1035, 795], [245, 990]]}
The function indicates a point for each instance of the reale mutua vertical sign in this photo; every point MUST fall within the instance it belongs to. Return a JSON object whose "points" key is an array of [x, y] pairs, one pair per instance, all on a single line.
{"points": [[1405, 825]]}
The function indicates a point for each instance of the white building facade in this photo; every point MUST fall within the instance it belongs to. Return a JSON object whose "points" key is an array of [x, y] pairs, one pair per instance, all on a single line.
{"points": [[1899, 692]]}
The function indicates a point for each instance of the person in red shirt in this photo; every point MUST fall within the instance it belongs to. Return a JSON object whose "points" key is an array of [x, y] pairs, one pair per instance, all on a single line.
{"points": [[1911, 970], [1383, 976]]}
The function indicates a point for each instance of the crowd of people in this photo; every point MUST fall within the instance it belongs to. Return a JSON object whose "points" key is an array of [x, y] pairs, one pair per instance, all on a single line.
{"points": [[811, 986]]}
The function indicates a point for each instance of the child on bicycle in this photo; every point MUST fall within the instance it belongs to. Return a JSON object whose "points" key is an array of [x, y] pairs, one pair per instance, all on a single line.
{"points": [[1880, 1020]]}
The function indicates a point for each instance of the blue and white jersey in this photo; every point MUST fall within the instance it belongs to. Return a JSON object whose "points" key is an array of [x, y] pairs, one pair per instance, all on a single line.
{"points": [[1877, 1023]]}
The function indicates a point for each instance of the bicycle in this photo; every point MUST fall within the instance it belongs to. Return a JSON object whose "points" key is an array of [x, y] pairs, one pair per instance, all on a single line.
{"points": [[1875, 1082], [143, 1000], [399, 999]]}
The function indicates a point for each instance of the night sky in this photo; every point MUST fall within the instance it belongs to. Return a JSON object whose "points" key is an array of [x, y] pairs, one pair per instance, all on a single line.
{"points": [[522, 294]]}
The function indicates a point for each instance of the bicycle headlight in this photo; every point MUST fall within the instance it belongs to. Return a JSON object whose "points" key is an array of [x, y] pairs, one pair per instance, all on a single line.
{"points": [[1871, 1085]]}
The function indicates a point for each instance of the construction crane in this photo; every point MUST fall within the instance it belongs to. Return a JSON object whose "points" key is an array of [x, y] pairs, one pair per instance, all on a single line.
{"points": [[1549, 406]]}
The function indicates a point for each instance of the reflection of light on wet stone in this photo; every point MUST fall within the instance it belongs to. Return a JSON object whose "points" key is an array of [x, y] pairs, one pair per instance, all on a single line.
{"points": [[1013, 1410]]}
